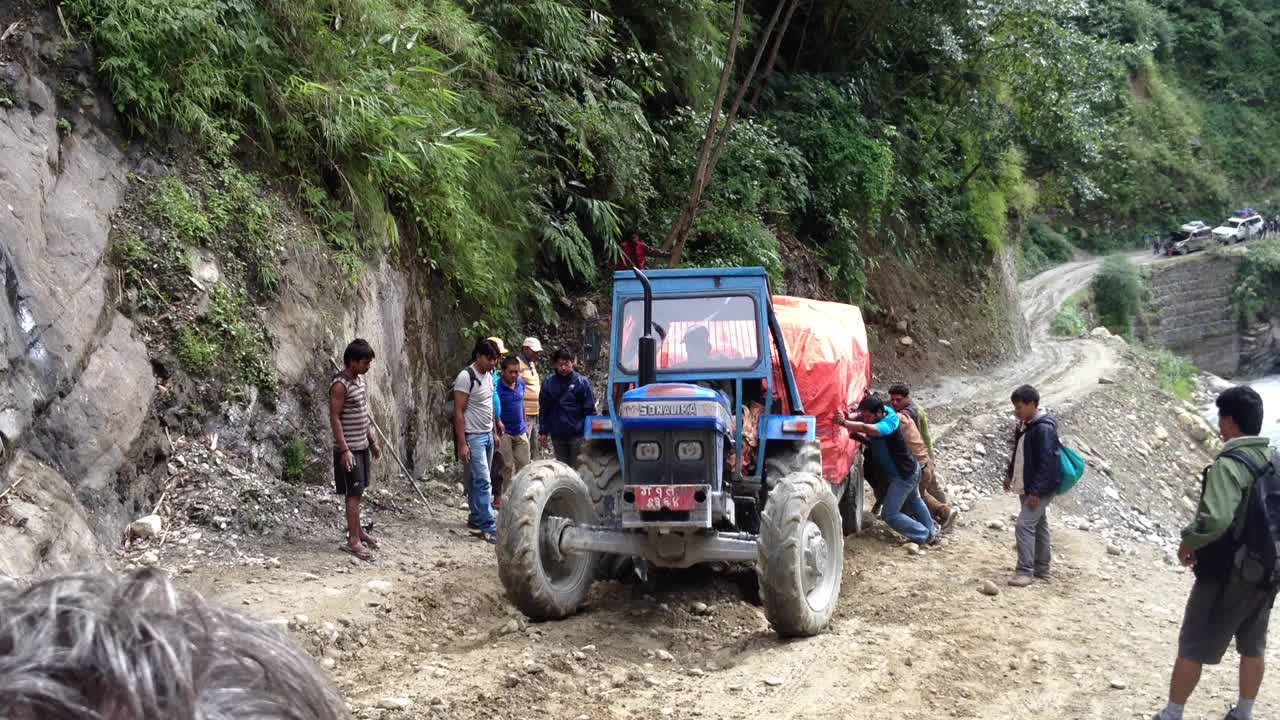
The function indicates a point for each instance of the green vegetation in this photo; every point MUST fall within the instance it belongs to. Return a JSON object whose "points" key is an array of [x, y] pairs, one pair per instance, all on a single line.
{"points": [[213, 326], [295, 459], [1070, 320], [228, 344], [1043, 248], [508, 144], [1118, 292], [1175, 374], [1258, 290]]}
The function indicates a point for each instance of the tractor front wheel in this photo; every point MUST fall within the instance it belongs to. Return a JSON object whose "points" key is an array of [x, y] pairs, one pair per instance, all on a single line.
{"points": [[801, 561], [544, 582]]}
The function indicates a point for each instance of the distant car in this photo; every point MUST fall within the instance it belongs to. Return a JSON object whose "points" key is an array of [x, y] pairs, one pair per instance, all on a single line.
{"points": [[1239, 229], [1188, 239]]}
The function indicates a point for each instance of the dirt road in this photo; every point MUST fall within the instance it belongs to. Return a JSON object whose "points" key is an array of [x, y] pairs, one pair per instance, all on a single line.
{"points": [[1061, 369], [913, 637]]}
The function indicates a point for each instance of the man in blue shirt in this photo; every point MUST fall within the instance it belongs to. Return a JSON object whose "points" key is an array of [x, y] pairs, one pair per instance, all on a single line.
{"points": [[886, 455], [513, 445], [563, 406]]}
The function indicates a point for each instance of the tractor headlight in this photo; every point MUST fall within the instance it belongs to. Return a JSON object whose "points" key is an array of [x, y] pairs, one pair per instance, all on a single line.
{"points": [[689, 451], [648, 451]]}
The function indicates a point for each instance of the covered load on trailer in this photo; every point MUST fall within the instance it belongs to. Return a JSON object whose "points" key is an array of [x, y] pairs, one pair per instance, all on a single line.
{"points": [[827, 346]]}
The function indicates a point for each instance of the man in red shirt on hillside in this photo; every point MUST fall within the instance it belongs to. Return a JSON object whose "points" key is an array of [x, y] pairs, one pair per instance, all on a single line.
{"points": [[634, 250]]}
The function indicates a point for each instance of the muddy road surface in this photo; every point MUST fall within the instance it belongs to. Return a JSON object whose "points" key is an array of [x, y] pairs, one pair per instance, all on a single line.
{"points": [[425, 632]]}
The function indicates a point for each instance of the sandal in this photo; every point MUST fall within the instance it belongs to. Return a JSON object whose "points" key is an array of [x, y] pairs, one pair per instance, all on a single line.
{"points": [[372, 542], [360, 552]]}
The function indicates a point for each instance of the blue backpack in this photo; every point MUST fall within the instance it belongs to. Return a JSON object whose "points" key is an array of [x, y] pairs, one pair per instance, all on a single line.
{"points": [[1073, 467]]}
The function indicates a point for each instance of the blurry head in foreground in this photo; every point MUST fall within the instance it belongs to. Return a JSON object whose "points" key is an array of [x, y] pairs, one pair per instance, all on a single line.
{"points": [[98, 648]]}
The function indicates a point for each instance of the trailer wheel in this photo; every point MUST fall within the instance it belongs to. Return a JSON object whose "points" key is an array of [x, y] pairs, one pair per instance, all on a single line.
{"points": [[801, 560], [540, 580], [852, 501]]}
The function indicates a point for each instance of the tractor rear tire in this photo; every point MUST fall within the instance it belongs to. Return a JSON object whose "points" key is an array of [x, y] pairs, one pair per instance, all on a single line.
{"points": [[852, 502], [539, 580], [599, 468], [801, 555]]}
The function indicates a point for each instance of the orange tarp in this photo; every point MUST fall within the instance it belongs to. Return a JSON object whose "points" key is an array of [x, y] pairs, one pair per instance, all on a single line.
{"points": [[827, 347]]}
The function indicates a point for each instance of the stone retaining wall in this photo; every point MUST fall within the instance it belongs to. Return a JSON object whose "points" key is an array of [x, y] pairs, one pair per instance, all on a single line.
{"points": [[1193, 315]]}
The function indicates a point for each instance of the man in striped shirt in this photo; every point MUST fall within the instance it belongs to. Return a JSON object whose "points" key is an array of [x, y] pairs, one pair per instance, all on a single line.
{"points": [[353, 441]]}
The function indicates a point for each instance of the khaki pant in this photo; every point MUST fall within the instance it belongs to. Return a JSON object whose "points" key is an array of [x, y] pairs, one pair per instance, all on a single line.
{"points": [[531, 423], [932, 494], [515, 455]]}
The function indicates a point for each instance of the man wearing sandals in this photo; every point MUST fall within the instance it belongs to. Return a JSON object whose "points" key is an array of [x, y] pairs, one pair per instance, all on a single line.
{"points": [[353, 440]]}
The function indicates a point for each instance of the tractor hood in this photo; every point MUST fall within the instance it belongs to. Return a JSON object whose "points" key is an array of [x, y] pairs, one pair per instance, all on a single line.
{"points": [[672, 405]]}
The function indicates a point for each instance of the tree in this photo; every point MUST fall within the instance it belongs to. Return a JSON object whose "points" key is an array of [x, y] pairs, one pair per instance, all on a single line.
{"points": [[716, 135]]}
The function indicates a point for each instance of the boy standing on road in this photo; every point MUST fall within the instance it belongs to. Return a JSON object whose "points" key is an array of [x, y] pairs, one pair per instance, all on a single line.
{"points": [[1223, 605], [474, 421], [1035, 472], [565, 402], [890, 458], [514, 443], [353, 441]]}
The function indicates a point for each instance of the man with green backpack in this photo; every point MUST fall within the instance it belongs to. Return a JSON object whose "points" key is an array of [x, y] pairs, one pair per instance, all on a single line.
{"points": [[1232, 547], [1035, 474]]}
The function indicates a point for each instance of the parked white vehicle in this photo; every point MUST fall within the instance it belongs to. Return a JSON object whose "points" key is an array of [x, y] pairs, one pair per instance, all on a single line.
{"points": [[1239, 229]]}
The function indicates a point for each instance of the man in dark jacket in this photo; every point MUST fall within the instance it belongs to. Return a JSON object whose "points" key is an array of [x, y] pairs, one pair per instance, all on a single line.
{"points": [[564, 403], [1035, 472]]}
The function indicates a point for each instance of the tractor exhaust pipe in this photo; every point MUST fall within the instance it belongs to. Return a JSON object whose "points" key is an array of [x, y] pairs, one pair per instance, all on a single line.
{"points": [[648, 347]]}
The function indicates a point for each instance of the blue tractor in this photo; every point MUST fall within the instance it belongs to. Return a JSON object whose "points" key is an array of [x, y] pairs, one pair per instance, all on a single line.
{"points": [[661, 480]]}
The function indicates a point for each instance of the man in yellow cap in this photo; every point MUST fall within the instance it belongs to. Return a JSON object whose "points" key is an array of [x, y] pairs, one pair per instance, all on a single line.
{"points": [[530, 351]]}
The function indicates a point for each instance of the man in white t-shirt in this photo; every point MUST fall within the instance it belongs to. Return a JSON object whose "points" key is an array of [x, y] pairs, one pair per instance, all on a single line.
{"points": [[474, 421]]}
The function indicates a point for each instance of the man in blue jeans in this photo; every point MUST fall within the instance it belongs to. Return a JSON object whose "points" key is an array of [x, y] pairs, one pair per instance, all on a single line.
{"points": [[887, 456], [474, 420]]}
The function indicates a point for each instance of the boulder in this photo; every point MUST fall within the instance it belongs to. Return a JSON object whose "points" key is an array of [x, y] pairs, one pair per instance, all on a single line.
{"points": [[90, 430], [146, 527], [1100, 332], [46, 532]]}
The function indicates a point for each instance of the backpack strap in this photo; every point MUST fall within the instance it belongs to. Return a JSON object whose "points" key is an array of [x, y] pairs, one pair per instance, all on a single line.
{"points": [[1254, 468], [1256, 471], [475, 380]]}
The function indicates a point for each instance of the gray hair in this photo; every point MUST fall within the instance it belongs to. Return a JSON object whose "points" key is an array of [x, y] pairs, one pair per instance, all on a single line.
{"points": [[101, 648]]}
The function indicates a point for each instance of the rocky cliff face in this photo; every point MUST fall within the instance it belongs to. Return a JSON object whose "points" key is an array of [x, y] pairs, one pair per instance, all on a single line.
{"points": [[86, 400]]}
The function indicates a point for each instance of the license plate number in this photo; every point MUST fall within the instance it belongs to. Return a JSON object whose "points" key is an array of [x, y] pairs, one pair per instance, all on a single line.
{"points": [[653, 498]]}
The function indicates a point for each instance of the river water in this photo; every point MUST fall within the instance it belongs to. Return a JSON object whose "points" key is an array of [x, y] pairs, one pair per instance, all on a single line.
{"points": [[1269, 389]]}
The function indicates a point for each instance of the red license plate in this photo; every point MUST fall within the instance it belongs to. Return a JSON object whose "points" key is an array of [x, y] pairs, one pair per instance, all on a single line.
{"points": [[652, 498]]}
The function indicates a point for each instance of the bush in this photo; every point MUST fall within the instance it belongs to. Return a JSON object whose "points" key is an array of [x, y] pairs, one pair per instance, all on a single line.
{"points": [[1069, 322], [1175, 374], [295, 458], [1042, 249], [1258, 288], [1117, 290]]}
